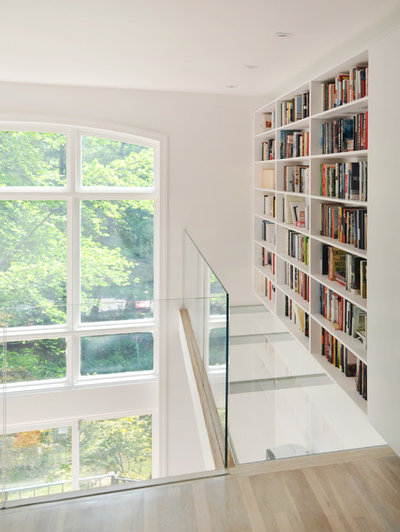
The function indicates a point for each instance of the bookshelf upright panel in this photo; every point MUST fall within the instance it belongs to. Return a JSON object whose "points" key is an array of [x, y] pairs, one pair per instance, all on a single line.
{"points": [[310, 218]]}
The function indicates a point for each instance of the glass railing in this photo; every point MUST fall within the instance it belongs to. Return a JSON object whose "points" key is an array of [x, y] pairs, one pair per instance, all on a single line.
{"points": [[207, 303], [100, 395]]}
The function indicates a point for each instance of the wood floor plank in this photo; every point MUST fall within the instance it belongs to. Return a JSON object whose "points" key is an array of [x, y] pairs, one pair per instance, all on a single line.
{"points": [[352, 495]]}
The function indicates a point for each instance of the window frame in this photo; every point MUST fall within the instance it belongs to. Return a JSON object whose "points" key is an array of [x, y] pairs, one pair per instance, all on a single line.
{"points": [[73, 193]]}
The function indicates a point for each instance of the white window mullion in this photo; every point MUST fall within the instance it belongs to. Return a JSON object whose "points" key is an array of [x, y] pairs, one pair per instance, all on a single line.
{"points": [[74, 251]]}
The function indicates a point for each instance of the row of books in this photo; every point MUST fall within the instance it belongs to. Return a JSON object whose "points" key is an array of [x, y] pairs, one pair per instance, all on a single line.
{"points": [[268, 232], [348, 225], [296, 108], [361, 379], [344, 180], [343, 359], [345, 88], [346, 269], [298, 247], [295, 211], [269, 205], [268, 259], [298, 281], [294, 144], [268, 150], [338, 355], [342, 314], [268, 289], [298, 316], [345, 134], [296, 179]]}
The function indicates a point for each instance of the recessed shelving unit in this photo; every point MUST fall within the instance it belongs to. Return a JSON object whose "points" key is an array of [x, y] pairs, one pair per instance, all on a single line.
{"points": [[293, 146]]}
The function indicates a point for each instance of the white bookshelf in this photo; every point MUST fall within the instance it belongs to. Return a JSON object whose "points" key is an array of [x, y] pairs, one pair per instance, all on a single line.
{"points": [[309, 129]]}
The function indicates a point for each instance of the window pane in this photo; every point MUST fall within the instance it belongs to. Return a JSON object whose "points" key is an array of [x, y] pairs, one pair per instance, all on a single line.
{"points": [[116, 353], [217, 346], [35, 360], [32, 159], [33, 252], [116, 164], [38, 458], [116, 259], [121, 446]]}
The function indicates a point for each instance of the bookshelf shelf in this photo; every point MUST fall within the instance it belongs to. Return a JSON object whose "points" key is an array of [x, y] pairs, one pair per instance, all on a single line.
{"points": [[267, 302], [303, 158], [348, 109], [348, 341], [304, 123], [293, 330], [291, 227], [305, 305], [340, 245], [266, 245], [346, 383], [356, 299], [267, 272], [341, 154], [270, 190], [304, 110], [300, 265], [267, 133], [327, 199]]}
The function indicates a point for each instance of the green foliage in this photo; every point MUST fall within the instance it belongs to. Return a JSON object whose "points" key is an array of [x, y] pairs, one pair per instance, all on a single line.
{"points": [[35, 360], [116, 239], [32, 159], [116, 353], [110, 163], [217, 346], [38, 456], [121, 445]]}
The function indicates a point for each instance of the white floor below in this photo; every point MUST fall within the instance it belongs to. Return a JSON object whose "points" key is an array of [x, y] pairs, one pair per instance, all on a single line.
{"points": [[281, 401]]}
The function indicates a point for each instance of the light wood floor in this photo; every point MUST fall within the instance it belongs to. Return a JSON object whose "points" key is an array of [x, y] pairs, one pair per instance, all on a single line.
{"points": [[348, 491]]}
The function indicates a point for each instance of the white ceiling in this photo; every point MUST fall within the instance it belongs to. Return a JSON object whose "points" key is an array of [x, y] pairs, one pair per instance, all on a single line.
{"points": [[182, 45]]}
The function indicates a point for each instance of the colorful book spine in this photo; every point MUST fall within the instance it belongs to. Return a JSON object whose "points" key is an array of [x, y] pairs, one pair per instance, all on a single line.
{"points": [[348, 225], [297, 281], [298, 247], [298, 316], [345, 134]]}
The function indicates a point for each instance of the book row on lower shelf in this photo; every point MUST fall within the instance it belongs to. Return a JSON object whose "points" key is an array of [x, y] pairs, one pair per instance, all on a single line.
{"points": [[344, 180], [269, 289], [348, 225], [269, 205], [268, 150], [268, 259], [296, 179], [298, 316], [343, 315], [342, 358], [297, 281], [345, 134], [298, 246], [268, 232], [346, 269], [294, 144]]}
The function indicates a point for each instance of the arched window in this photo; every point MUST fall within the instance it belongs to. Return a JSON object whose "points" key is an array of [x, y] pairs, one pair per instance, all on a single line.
{"points": [[79, 253]]}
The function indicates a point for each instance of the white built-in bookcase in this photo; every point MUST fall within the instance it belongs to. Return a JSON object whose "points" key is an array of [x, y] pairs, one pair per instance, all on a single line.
{"points": [[312, 197]]}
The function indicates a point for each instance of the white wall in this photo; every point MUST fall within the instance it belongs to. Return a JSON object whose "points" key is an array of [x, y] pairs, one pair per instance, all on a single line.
{"points": [[384, 240], [209, 164]]}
